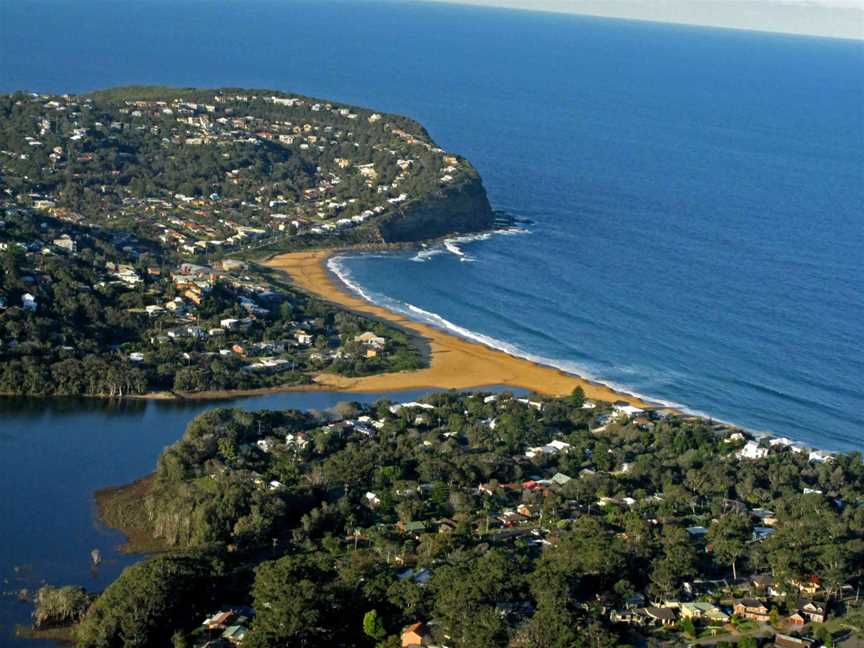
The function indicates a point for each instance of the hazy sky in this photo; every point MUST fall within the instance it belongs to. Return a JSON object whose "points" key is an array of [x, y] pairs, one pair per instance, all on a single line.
{"points": [[835, 18]]}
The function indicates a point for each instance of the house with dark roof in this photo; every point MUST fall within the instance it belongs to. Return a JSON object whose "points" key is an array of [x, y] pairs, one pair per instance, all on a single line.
{"points": [[751, 609]]}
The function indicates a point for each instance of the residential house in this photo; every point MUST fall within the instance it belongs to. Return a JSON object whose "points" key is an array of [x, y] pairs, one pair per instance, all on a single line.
{"points": [[371, 340], [419, 576], [266, 445], [560, 479], [815, 612], [788, 641], [752, 451], [626, 411], [765, 583], [28, 302], [298, 440], [415, 634], [697, 531], [810, 586], [219, 620], [702, 610], [661, 616], [796, 618], [551, 448], [630, 616], [413, 527], [751, 609], [66, 243], [765, 516], [235, 634]]}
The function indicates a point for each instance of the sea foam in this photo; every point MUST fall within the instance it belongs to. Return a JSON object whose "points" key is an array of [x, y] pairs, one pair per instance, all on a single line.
{"points": [[337, 266]]}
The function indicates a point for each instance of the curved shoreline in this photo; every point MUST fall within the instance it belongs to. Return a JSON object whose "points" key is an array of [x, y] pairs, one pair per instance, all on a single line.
{"points": [[454, 362]]}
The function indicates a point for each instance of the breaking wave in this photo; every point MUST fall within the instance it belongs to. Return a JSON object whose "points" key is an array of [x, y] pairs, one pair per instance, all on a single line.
{"points": [[337, 266]]}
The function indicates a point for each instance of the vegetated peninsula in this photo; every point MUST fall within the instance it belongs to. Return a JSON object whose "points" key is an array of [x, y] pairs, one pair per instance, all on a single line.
{"points": [[480, 520], [130, 217]]}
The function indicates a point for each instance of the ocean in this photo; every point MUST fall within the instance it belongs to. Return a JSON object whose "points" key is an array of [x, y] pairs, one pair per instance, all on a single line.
{"points": [[690, 200]]}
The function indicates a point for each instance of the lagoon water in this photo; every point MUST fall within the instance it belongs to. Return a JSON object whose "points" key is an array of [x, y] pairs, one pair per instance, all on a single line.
{"points": [[696, 196], [55, 454]]}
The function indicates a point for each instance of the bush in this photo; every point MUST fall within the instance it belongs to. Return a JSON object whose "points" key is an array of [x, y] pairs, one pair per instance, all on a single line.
{"points": [[58, 606], [137, 608]]}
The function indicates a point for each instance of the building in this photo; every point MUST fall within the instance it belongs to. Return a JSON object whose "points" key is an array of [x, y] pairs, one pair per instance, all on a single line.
{"points": [[371, 340], [752, 451], [235, 634], [28, 302], [661, 616], [788, 641], [701, 610], [415, 635], [751, 609], [815, 612], [66, 243], [219, 620]]}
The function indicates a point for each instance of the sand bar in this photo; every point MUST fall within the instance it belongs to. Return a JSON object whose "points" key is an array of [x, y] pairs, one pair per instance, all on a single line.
{"points": [[455, 363]]}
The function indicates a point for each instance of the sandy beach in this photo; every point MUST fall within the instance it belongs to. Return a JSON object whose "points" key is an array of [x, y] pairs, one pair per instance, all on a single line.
{"points": [[455, 363]]}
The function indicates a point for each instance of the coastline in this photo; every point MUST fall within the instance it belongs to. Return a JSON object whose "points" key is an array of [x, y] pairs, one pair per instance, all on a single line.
{"points": [[454, 362]]}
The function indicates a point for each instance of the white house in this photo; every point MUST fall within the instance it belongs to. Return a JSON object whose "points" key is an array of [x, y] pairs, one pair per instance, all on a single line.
{"points": [[627, 410], [535, 404], [394, 409], [28, 302], [820, 456], [371, 340], [299, 440], [551, 448], [752, 450]]}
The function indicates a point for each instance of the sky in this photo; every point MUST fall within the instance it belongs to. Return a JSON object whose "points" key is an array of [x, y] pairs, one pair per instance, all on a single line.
{"points": [[832, 18]]}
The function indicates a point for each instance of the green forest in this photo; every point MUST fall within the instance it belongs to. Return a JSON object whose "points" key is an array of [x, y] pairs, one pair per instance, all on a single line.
{"points": [[482, 520]]}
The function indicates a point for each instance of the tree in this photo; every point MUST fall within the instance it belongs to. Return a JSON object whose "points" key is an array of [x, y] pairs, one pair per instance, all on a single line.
{"points": [[295, 603], [137, 608], [180, 640], [577, 397], [373, 626], [729, 538], [687, 627]]}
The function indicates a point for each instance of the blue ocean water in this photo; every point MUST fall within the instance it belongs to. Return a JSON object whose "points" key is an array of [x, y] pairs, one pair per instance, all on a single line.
{"points": [[695, 195]]}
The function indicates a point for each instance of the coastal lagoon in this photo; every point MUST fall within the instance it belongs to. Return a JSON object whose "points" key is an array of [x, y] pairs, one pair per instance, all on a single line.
{"points": [[56, 453]]}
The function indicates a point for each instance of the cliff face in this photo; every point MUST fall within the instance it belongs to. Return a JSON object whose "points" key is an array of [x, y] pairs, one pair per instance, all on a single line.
{"points": [[459, 209]]}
